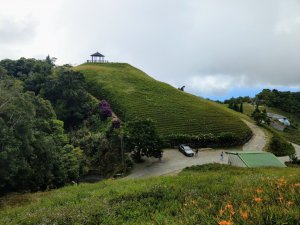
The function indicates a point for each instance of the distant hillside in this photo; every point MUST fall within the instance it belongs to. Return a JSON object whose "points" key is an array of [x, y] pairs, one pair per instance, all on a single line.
{"points": [[208, 194], [132, 93], [284, 100], [291, 133]]}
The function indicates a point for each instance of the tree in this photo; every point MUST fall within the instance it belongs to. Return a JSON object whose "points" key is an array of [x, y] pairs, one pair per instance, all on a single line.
{"points": [[241, 108], [68, 95], [32, 140], [260, 116], [142, 139]]}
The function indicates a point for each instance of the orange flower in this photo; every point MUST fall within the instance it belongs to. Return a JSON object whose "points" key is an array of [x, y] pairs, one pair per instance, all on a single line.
{"points": [[297, 185], [224, 222], [258, 190], [229, 206], [244, 214], [258, 200]]}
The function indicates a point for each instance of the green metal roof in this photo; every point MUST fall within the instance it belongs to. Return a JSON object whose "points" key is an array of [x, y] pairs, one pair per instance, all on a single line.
{"points": [[259, 159]]}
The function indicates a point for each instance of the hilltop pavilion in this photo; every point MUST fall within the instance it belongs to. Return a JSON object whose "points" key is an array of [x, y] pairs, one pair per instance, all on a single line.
{"points": [[97, 58]]}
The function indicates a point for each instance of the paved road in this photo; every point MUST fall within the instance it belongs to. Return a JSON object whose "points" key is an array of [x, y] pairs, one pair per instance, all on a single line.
{"points": [[174, 161], [259, 139]]}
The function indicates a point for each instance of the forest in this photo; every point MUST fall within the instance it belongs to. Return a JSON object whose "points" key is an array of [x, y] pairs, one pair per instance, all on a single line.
{"points": [[53, 131]]}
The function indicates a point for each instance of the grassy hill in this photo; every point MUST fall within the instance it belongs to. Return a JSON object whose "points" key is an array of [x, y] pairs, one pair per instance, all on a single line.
{"points": [[132, 93], [208, 194]]}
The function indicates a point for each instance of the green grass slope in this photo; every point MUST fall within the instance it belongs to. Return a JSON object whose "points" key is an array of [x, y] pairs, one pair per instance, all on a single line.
{"points": [[132, 93], [208, 194]]}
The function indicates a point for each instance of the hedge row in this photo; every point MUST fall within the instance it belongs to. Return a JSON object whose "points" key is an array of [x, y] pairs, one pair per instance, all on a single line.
{"points": [[225, 139]]}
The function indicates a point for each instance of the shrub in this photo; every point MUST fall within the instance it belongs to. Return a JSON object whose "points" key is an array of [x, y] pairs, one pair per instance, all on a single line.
{"points": [[105, 110], [206, 140], [280, 147]]}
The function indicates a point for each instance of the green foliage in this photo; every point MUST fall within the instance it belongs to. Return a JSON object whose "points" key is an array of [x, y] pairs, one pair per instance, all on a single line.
{"points": [[225, 139], [102, 151], [68, 95], [260, 116], [206, 194], [32, 156], [241, 109], [238, 100], [280, 147], [286, 101], [142, 139], [133, 94], [23, 68]]}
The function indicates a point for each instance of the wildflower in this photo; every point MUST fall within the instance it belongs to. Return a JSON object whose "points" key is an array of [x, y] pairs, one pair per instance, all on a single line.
{"points": [[258, 190], [229, 206], [224, 222], [221, 211], [297, 185], [258, 200], [244, 214], [232, 212]]}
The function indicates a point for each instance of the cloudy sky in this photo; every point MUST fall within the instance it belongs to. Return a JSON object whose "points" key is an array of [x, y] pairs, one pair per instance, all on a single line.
{"points": [[218, 49]]}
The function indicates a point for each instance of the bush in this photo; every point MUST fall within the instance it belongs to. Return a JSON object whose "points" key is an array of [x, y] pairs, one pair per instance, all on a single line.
{"points": [[225, 139], [280, 147], [105, 110]]}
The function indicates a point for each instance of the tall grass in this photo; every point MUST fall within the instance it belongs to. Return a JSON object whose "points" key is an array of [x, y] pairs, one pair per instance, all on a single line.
{"points": [[210, 194]]}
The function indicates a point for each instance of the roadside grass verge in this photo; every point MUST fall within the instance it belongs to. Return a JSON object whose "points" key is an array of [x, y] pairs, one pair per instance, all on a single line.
{"points": [[208, 194]]}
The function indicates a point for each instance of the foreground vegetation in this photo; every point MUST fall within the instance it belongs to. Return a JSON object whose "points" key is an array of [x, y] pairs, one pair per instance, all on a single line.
{"points": [[177, 115], [208, 194]]}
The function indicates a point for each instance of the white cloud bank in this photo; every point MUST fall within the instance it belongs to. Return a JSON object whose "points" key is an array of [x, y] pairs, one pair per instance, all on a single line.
{"points": [[210, 46]]}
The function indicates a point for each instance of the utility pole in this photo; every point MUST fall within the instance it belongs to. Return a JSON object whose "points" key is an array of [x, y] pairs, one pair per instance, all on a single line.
{"points": [[122, 152]]}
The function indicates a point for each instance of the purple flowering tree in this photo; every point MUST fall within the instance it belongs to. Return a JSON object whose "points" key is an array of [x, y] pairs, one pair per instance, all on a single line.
{"points": [[105, 110]]}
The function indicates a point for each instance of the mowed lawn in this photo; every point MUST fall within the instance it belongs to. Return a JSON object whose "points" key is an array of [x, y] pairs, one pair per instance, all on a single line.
{"points": [[132, 93], [208, 194]]}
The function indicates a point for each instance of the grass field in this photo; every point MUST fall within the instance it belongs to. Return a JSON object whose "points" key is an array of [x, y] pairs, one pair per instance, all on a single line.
{"points": [[132, 93], [292, 135], [209, 194]]}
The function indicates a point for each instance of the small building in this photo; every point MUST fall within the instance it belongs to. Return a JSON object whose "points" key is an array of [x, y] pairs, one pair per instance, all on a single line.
{"points": [[97, 58], [253, 159], [280, 118]]}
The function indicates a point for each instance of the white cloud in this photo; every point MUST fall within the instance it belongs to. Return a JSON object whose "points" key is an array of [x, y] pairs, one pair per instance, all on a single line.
{"points": [[228, 43], [217, 84]]}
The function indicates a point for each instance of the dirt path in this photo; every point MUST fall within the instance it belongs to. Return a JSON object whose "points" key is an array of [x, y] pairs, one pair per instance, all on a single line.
{"points": [[259, 139], [173, 161]]}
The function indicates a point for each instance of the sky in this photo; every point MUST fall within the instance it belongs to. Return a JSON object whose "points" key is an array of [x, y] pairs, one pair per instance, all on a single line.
{"points": [[217, 49]]}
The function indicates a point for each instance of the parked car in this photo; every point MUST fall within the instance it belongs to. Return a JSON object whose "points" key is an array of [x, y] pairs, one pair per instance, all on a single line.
{"points": [[186, 150]]}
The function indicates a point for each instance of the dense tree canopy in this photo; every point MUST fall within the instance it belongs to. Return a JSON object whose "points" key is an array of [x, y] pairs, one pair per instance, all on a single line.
{"points": [[33, 152], [286, 101], [142, 139], [68, 95]]}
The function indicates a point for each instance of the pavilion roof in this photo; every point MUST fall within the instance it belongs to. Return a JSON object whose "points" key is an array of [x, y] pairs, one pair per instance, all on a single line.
{"points": [[97, 54]]}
